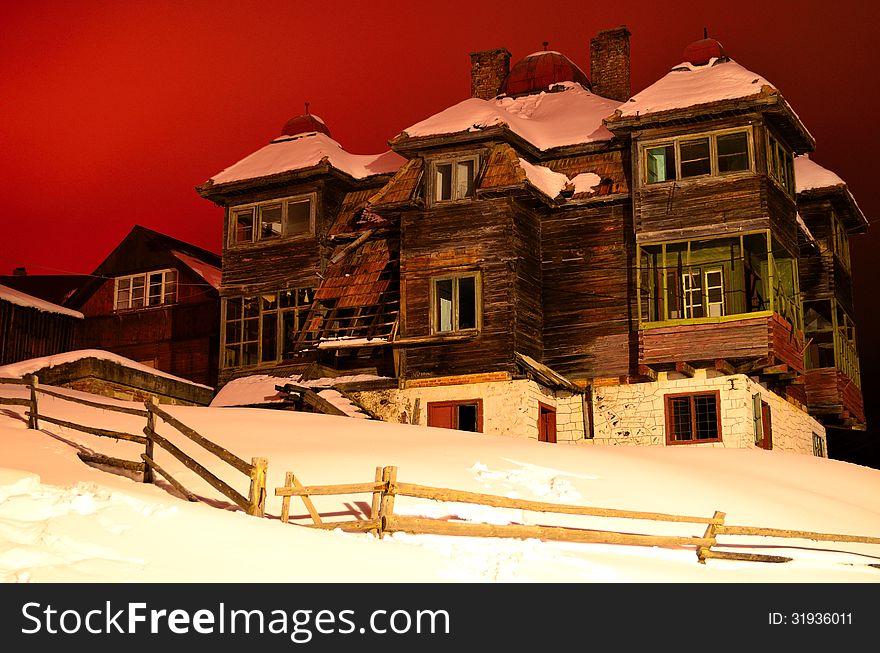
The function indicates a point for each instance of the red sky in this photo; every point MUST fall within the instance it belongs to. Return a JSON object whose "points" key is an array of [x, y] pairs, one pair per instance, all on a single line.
{"points": [[112, 112]]}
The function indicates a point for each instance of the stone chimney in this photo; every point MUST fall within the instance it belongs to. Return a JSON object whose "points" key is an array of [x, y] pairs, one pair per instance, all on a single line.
{"points": [[609, 63], [488, 70]]}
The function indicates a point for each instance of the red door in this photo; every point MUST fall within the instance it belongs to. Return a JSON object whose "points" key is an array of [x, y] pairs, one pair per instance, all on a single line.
{"points": [[441, 415], [546, 423]]}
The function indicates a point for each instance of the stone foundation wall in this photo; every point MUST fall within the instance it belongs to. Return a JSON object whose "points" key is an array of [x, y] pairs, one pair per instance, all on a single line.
{"points": [[635, 413]]}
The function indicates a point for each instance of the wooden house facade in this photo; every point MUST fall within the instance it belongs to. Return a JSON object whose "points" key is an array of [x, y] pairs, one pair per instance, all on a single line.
{"points": [[154, 300], [563, 261], [31, 327]]}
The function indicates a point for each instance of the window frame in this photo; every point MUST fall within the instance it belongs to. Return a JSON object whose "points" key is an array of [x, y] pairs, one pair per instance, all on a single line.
{"points": [[818, 446], [840, 241], [454, 404], [279, 313], [434, 314], [453, 160], [676, 141], [145, 299], [256, 209], [668, 416], [784, 179]]}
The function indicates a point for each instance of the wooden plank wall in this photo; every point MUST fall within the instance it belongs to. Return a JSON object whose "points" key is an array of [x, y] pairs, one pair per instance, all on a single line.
{"points": [[734, 340], [460, 237], [528, 301], [588, 275], [828, 387], [26, 332]]}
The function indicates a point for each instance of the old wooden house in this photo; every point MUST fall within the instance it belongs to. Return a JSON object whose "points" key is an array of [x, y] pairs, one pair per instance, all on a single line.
{"points": [[552, 258], [154, 300], [31, 327]]}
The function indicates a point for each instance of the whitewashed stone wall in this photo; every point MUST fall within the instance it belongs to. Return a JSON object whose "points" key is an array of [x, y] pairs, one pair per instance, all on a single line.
{"points": [[635, 413], [509, 407]]}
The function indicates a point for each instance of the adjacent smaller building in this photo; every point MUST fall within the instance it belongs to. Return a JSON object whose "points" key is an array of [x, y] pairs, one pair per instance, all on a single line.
{"points": [[31, 327]]}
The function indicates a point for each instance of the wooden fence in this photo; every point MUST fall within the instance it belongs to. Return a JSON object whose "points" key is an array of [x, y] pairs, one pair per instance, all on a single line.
{"points": [[383, 520], [253, 504]]}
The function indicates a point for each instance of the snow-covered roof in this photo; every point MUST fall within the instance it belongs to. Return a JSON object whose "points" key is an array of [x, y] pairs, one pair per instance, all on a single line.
{"points": [[803, 227], [303, 151], [547, 120], [687, 85], [260, 388], [809, 175], [206, 271], [32, 365], [23, 299]]}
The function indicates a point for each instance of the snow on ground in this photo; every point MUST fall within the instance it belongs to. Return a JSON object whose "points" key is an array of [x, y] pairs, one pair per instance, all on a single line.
{"points": [[61, 520]]}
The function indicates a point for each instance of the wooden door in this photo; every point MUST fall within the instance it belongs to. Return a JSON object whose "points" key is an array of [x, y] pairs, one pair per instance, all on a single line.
{"points": [[766, 441], [546, 423]]}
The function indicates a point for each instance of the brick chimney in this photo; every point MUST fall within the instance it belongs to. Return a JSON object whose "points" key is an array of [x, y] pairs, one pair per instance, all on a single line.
{"points": [[488, 70], [609, 63], [19, 272]]}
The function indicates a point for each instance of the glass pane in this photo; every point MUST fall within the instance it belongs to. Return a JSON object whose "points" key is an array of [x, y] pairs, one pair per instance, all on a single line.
{"points": [[680, 421], [733, 152], [299, 217], [443, 182], [252, 329], [467, 303], [123, 297], [270, 326], [661, 163], [243, 226], [232, 356], [249, 353], [706, 417], [155, 290], [464, 179], [695, 158], [443, 293], [270, 221], [170, 286], [715, 293], [137, 292], [233, 333]]}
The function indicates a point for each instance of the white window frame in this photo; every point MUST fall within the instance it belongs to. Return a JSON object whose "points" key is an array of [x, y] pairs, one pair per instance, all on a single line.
{"points": [[455, 196], [707, 288], [455, 319], [256, 208], [688, 291], [168, 293], [676, 141]]}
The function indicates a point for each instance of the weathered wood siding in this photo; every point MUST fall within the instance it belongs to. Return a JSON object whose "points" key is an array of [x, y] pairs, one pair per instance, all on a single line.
{"points": [[734, 340], [528, 305], [452, 238], [26, 332], [588, 279], [828, 388]]}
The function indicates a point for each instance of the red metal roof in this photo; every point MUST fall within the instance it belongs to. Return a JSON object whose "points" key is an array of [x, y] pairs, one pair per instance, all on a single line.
{"points": [[540, 70], [700, 52]]}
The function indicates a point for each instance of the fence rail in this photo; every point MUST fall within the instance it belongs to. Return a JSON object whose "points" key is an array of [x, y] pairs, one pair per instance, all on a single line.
{"points": [[253, 504], [382, 519]]}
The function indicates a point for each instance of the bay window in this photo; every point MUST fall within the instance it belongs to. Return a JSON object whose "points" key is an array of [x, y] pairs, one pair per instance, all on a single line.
{"points": [[265, 221], [683, 157]]}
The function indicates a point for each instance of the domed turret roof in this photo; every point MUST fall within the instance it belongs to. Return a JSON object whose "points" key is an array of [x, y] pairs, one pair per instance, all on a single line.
{"points": [[304, 124], [699, 53], [540, 70]]}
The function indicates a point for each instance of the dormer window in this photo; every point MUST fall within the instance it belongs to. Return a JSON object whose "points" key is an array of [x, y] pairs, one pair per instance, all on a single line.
{"points": [[285, 218], [453, 179], [145, 290], [685, 157]]}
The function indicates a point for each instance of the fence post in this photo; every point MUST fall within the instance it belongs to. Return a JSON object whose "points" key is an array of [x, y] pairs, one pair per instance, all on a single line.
{"points": [[33, 418], [285, 501], [257, 495], [374, 506], [702, 551], [389, 477], [148, 448]]}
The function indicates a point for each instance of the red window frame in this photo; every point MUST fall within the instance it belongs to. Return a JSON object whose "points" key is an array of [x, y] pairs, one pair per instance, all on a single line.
{"points": [[454, 404], [670, 424]]}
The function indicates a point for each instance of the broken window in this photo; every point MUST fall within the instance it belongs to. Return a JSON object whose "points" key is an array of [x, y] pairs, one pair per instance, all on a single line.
{"points": [[693, 417], [455, 303], [780, 164], [661, 163], [462, 415], [733, 152], [689, 156], [272, 220], [695, 158]]}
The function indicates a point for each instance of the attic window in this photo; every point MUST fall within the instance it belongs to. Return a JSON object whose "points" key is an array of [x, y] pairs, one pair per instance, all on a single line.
{"points": [[286, 218], [454, 179], [718, 153], [146, 289]]}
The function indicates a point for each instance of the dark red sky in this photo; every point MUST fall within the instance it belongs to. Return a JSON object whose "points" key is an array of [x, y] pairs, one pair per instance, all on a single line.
{"points": [[112, 112]]}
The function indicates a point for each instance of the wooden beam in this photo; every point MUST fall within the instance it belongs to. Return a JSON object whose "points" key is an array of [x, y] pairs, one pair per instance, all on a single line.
{"points": [[775, 369], [647, 372], [755, 365], [724, 367], [684, 368]]}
